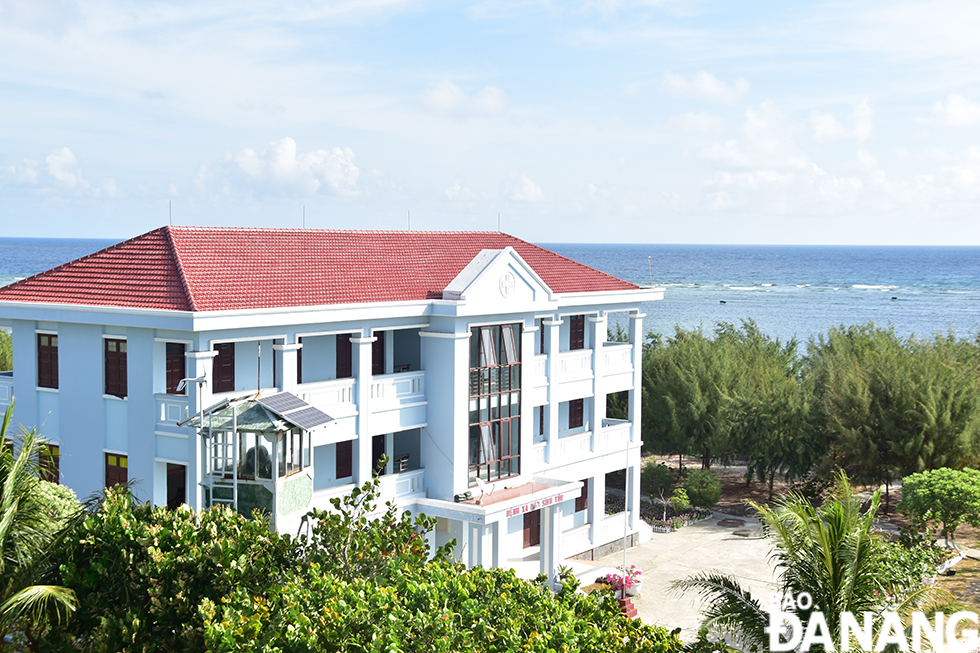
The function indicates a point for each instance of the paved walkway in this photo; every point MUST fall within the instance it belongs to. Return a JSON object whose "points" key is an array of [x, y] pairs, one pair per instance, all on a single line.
{"points": [[702, 547]]}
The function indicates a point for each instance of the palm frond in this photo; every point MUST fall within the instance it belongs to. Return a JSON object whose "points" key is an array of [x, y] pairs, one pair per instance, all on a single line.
{"points": [[728, 606], [37, 602]]}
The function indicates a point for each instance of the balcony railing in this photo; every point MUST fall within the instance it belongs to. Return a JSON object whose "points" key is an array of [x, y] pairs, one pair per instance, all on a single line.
{"points": [[611, 528], [171, 409], [575, 365], [613, 436], [325, 394], [6, 388], [617, 357], [392, 390], [394, 486]]}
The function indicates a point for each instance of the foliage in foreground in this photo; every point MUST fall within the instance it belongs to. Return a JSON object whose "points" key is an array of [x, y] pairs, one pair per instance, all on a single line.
{"points": [[830, 552], [30, 532], [161, 580]]}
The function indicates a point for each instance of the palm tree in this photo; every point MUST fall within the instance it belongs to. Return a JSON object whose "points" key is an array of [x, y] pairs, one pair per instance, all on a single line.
{"points": [[828, 552], [27, 540]]}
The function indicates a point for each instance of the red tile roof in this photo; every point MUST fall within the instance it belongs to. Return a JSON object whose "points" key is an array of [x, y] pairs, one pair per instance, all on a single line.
{"points": [[211, 269]]}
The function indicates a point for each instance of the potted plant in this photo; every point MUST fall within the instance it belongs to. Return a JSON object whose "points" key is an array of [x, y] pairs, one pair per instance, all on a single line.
{"points": [[631, 578]]}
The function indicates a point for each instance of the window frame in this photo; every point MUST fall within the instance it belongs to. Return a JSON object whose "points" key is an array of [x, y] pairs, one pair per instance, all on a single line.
{"points": [[576, 414], [576, 332], [221, 384], [115, 360], [495, 407], [121, 462], [173, 378], [344, 459], [50, 378]]}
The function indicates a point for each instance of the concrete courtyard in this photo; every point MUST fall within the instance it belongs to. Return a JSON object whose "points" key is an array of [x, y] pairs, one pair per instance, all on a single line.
{"points": [[705, 546]]}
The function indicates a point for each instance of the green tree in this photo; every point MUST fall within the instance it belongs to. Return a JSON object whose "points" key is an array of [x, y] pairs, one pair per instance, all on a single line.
{"points": [[29, 536], [703, 488], [942, 499], [829, 552], [6, 351]]}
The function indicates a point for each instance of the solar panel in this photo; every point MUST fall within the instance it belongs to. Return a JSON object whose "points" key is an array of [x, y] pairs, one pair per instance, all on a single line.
{"points": [[309, 418], [283, 402]]}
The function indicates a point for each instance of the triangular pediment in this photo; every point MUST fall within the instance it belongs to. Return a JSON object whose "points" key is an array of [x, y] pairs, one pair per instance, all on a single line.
{"points": [[498, 281]]}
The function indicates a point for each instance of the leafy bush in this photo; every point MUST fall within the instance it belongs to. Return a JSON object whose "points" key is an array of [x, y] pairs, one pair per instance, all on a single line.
{"points": [[703, 488], [942, 499], [656, 479], [6, 351]]}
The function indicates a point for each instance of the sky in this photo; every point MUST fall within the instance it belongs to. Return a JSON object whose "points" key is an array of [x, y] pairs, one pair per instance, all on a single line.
{"points": [[611, 121]]}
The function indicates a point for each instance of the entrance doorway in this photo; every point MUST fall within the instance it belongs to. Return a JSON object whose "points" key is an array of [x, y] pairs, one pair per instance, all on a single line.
{"points": [[532, 528], [176, 485]]}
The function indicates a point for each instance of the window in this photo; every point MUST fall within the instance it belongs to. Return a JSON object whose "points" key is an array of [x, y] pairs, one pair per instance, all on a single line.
{"points": [[576, 410], [345, 459], [47, 360], [224, 367], [540, 420], [115, 367], [378, 354], [48, 469], [539, 322], [255, 456], [495, 402], [295, 452], [582, 502], [175, 367], [299, 361], [116, 469], [345, 357], [576, 332]]}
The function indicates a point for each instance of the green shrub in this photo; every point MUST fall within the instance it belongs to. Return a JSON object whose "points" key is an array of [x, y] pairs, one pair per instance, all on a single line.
{"points": [[703, 488], [656, 479]]}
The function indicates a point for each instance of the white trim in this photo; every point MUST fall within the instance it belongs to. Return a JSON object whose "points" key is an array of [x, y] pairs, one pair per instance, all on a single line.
{"points": [[116, 452], [114, 397], [110, 336], [549, 323], [53, 391], [172, 461], [181, 436], [313, 334], [199, 354], [532, 329], [631, 293], [292, 346], [637, 315], [221, 341], [400, 328], [45, 332], [598, 318], [176, 341], [496, 323], [364, 341], [443, 334]]}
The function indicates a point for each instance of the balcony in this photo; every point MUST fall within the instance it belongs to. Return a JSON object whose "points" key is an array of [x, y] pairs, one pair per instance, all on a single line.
{"points": [[171, 409], [397, 402], [6, 388], [617, 371], [403, 486], [575, 375], [613, 436], [334, 397], [538, 385]]}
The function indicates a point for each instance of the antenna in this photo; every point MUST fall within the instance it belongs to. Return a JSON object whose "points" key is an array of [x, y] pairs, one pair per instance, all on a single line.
{"points": [[650, 267], [171, 203]]}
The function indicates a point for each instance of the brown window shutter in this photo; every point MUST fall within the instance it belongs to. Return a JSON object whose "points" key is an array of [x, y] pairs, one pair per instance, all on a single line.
{"points": [[175, 367], [576, 332], [116, 469], [299, 362], [345, 357], [345, 459], [378, 354], [576, 408], [582, 502], [224, 367], [115, 367], [47, 360]]}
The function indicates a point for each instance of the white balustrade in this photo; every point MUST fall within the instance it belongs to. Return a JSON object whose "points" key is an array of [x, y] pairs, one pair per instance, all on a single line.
{"points": [[572, 448], [401, 388], [575, 365], [617, 357], [6, 388], [539, 452], [403, 484], [613, 436], [576, 540], [171, 409], [611, 528], [324, 394]]}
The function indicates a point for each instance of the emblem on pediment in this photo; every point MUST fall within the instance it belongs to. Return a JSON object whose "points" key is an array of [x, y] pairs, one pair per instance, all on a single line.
{"points": [[507, 284]]}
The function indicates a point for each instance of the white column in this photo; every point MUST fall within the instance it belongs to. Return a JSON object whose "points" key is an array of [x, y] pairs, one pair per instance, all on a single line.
{"points": [[551, 330], [287, 381], [598, 327], [597, 505], [480, 542], [389, 351], [362, 386], [551, 541], [527, 412], [636, 392], [199, 395]]}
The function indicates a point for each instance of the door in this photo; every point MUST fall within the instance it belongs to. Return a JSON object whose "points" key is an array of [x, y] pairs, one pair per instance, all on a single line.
{"points": [[176, 485], [532, 528]]}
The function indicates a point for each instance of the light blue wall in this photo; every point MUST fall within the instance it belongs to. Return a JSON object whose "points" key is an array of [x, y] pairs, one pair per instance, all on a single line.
{"points": [[82, 408], [319, 358], [141, 404]]}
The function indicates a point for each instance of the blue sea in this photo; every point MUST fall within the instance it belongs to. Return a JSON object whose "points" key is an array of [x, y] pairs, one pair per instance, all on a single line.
{"points": [[790, 291]]}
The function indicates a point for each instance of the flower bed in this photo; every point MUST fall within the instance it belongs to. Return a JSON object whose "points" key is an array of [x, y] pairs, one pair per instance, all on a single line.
{"points": [[653, 513]]}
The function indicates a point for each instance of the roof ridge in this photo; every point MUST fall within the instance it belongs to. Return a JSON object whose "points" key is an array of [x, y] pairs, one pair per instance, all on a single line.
{"points": [[180, 268]]}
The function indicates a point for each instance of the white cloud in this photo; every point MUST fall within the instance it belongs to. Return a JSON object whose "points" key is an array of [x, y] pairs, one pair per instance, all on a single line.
{"points": [[766, 141], [520, 188], [695, 122], [281, 168], [60, 174], [63, 166], [446, 99], [50, 17], [826, 127], [866, 161], [956, 111], [706, 86]]}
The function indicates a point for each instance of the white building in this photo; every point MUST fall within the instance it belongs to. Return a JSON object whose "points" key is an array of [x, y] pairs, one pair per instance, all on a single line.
{"points": [[460, 355]]}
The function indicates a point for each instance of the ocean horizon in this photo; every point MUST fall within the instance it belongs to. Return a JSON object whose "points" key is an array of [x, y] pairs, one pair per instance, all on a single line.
{"points": [[788, 290]]}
